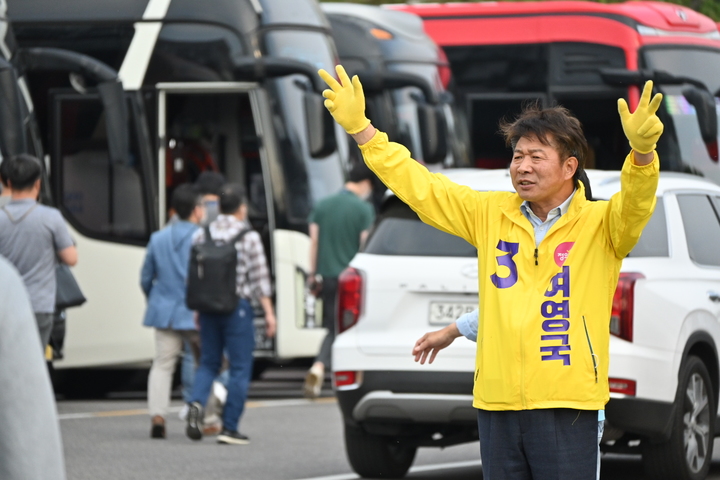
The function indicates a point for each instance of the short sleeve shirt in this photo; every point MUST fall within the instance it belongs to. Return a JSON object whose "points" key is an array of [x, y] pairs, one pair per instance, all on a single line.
{"points": [[30, 238], [341, 219]]}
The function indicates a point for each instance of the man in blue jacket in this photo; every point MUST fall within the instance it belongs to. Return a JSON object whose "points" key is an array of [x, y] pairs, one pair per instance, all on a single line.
{"points": [[163, 280]]}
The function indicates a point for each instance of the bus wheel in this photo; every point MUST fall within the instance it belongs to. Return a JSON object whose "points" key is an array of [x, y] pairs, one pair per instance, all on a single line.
{"points": [[376, 456], [688, 452]]}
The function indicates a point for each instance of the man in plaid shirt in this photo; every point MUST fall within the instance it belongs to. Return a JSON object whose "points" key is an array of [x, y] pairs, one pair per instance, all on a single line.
{"points": [[233, 333]]}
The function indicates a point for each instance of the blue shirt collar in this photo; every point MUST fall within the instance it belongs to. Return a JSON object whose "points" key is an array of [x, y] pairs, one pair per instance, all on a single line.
{"points": [[552, 214]]}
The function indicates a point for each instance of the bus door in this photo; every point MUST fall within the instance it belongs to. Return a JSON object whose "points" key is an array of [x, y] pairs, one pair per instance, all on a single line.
{"points": [[107, 205], [210, 126], [227, 127], [484, 110]]}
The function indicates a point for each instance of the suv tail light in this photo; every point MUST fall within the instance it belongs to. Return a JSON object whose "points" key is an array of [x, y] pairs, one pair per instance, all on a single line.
{"points": [[620, 385], [350, 293], [347, 380], [621, 318]]}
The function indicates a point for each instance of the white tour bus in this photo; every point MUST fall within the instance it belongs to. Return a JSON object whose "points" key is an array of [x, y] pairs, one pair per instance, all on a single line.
{"points": [[229, 86]]}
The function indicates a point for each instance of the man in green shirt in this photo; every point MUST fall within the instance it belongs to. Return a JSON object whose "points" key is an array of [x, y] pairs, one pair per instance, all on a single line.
{"points": [[339, 225]]}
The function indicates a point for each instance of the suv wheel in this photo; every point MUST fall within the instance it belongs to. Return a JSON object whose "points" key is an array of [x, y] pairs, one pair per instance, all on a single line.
{"points": [[376, 456], [688, 452]]}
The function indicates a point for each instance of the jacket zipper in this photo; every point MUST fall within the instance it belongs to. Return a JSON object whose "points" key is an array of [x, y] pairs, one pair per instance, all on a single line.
{"points": [[592, 353], [536, 256]]}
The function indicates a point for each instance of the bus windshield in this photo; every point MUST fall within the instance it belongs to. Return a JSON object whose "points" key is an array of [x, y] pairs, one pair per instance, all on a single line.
{"points": [[308, 179], [700, 64], [683, 143]]}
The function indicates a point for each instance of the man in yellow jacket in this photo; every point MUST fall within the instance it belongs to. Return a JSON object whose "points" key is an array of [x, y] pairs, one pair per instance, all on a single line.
{"points": [[548, 263]]}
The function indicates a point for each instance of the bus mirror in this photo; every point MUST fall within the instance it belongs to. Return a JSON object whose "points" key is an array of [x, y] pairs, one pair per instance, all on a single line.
{"points": [[621, 76], [380, 81], [704, 104], [109, 87], [116, 121], [258, 69], [433, 133], [320, 126], [12, 133]]}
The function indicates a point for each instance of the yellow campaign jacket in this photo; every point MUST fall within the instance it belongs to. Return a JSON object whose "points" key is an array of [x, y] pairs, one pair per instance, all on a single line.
{"points": [[541, 312]]}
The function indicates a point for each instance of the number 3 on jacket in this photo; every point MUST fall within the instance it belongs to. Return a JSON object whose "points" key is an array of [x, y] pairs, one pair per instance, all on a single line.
{"points": [[511, 249]]}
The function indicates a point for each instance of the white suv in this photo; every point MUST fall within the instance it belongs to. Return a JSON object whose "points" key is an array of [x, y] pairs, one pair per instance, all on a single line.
{"points": [[412, 278]]}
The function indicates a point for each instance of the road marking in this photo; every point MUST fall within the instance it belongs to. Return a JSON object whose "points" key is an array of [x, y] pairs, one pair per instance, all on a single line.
{"points": [[421, 468], [293, 402]]}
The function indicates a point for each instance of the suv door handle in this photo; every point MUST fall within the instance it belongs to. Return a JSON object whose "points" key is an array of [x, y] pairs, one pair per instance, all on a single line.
{"points": [[713, 296]]}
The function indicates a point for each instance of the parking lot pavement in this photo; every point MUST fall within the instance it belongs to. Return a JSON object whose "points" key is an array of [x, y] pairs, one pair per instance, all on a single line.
{"points": [[291, 438]]}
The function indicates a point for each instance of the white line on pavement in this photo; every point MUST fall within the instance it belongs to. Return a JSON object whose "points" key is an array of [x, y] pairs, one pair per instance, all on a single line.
{"points": [[292, 402], [421, 468]]}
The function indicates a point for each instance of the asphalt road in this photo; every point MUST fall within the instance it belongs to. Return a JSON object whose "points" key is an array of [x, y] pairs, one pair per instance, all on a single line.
{"points": [[291, 439]]}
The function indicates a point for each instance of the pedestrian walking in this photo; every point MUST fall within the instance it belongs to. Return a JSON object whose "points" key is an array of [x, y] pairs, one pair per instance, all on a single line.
{"points": [[163, 280], [548, 263], [231, 332], [339, 225], [208, 184], [30, 443], [34, 238]]}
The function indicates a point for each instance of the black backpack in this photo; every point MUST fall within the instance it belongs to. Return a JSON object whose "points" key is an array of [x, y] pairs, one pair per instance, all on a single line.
{"points": [[212, 278]]}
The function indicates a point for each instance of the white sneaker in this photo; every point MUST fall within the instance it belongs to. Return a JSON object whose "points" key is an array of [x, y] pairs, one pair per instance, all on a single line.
{"points": [[313, 382], [219, 390], [183, 412]]}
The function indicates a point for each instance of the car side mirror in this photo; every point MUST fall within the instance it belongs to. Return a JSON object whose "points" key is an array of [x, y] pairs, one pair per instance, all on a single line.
{"points": [[433, 133], [12, 134], [320, 126]]}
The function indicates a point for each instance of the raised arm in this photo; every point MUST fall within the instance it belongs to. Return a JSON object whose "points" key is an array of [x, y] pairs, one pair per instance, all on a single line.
{"points": [[438, 201], [631, 208]]}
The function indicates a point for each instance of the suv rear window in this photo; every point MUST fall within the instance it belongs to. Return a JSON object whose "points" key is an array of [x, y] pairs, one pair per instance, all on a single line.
{"points": [[399, 231], [702, 229], [654, 239]]}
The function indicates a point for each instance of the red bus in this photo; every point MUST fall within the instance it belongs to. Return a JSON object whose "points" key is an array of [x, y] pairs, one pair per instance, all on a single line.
{"points": [[583, 55]]}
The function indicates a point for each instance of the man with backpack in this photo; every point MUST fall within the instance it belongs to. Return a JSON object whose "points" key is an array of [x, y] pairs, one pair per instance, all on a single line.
{"points": [[221, 282]]}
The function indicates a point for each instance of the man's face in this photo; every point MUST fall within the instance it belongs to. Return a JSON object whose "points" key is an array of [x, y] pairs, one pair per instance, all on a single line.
{"points": [[537, 172]]}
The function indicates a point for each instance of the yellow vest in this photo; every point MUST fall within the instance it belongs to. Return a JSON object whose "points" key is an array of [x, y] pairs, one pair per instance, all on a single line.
{"points": [[541, 313]]}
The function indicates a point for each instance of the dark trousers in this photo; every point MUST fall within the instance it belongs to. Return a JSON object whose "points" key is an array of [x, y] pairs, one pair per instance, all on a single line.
{"points": [[234, 334], [547, 444], [329, 305]]}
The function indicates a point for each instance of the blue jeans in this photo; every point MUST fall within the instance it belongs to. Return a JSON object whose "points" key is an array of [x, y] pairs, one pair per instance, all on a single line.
{"points": [[235, 334], [187, 372]]}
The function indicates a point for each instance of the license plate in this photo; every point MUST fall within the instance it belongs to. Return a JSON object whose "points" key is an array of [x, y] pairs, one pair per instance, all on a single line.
{"points": [[444, 313]]}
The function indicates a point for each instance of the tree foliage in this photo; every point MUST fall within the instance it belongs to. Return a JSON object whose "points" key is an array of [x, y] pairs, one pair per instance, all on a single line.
{"points": [[711, 8]]}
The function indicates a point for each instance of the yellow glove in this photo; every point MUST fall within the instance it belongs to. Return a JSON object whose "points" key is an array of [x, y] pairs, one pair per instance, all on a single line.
{"points": [[642, 128], [345, 100]]}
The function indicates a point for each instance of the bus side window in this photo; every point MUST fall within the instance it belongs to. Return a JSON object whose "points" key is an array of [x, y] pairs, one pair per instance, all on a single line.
{"points": [[100, 198]]}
